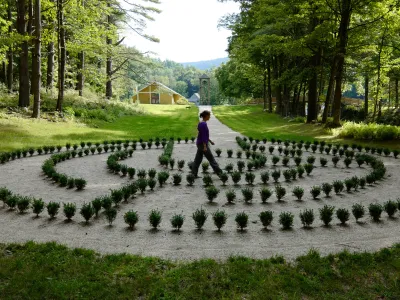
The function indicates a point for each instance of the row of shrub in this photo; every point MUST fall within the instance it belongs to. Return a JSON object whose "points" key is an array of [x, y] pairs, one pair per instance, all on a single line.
{"points": [[63, 180], [372, 131], [165, 157], [314, 146]]}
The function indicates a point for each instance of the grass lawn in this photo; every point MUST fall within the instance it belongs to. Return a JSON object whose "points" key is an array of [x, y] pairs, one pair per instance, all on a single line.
{"points": [[161, 120], [51, 271], [253, 122]]}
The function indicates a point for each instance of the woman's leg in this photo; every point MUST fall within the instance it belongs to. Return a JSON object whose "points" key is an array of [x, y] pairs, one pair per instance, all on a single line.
{"points": [[197, 160], [210, 157]]}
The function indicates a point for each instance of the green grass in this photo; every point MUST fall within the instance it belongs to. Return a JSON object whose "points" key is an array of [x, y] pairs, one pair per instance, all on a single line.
{"points": [[251, 121], [158, 121], [51, 271]]}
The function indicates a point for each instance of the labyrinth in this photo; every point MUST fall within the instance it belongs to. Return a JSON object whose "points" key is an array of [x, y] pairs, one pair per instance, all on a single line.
{"points": [[274, 198]]}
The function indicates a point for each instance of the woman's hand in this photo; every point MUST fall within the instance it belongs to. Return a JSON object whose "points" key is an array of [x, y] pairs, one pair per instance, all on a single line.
{"points": [[212, 143]]}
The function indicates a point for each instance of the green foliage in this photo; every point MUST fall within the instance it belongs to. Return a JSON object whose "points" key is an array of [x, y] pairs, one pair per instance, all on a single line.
{"points": [[230, 196], [190, 178], [309, 168], [372, 131], [207, 180], [177, 221], [358, 211], [298, 192], [97, 204], [80, 183], [338, 186], [177, 178], [69, 210], [242, 220], [53, 208], [265, 193], [37, 206], [390, 208], [111, 214], [375, 211], [247, 194], [219, 218], [286, 220], [266, 218], [326, 213], [87, 211], [307, 217], [276, 174], [223, 177], [200, 217], [205, 165], [241, 165], [275, 160], [280, 192], [142, 184], [343, 215], [23, 204], [211, 192], [249, 177]]}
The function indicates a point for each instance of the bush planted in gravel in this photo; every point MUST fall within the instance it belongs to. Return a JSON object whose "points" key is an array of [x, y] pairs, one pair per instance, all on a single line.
{"points": [[177, 179], [266, 218], [141, 173], [298, 192], [280, 192], [300, 171], [349, 183], [142, 184], [177, 221], [315, 191], [63, 180], [200, 217], [87, 211], [219, 218], [181, 164], [335, 160], [207, 180], [52, 209], [241, 165], [80, 183], [265, 194], [250, 165], [275, 160], [230, 196], [205, 165], [37, 206], [106, 202], [287, 175], [111, 214], [338, 186], [297, 160], [124, 170], [97, 204], [309, 168], [307, 217], [358, 211], [276, 174], [375, 211], [23, 204], [162, 177], [69, 210], [218, 151], [242, 219], [212, 193], [190, 178], [117, 196], [264, 177], [229, 152], [323, 161], [347, 161], [327, 188], [311, 159], [171, 163], [286, 220], [249, 177], [131, 172], [326, 213], [247, 194], [285, 161], [343, 215], [390, 208]]}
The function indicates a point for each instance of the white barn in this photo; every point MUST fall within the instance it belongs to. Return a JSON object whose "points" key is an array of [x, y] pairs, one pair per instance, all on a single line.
{"points": [[195, 99]]}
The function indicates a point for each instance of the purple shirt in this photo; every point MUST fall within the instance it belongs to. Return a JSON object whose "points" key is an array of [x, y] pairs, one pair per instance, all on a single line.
{"points": [[203, 136]]}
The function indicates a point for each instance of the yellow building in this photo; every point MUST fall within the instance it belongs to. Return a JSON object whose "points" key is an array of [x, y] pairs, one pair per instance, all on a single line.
{"points": [[158, 93]]}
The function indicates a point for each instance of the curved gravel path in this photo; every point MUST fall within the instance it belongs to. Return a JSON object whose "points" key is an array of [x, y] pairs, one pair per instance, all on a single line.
{"points": [[24, 176]]}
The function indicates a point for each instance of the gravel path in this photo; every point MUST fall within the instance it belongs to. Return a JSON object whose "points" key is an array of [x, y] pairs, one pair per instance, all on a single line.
{"points": [[24, 176]]}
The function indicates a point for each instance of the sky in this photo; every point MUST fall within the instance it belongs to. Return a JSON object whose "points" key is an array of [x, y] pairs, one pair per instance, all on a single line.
{"points": [[187, 30]]}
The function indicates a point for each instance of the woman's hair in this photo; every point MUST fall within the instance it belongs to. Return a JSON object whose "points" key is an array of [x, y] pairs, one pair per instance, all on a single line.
{"points": [[204, 114]]}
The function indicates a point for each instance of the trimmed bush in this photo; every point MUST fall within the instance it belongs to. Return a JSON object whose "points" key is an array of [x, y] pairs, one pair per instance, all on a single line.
{"points": [[230, 196], [323, 161], [327, 188], [106, 202], [349, 183], [181, 164], [142, 185], [249, 177], [309, 168], [162, 177], [298, 192], [37, 206], [142, 173], [171, 163], [117, 196], [343, 215], [190, 178], [275, 160], [300, 171], [287, 175], [229, 152], [111, 214], [80, 183], [338, 186], [229, 167], [200, 217], [326, 213], [311, 159], [207, 180], [276, 174], [205, 165], [358, 211], [241, 165], [242, 220], [218, 151], [52, 209], [131, 172], [335, 160], [390, 208], [265, 177], [152, 173], [266, 218], [347, 161], [87, 211], [286, 220], [247, 194], [96, 204], [223, 177], [280, 192], [265, 194], [212, 193], [219, 218], [307, 217], [177, 221], [23, 204], [177, 179], [375, 211], [297, 160], [315, 191], [285, 161]]}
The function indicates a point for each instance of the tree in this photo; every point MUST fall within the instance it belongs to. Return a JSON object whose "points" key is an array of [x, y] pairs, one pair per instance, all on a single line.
{"points": [[37, 60]]}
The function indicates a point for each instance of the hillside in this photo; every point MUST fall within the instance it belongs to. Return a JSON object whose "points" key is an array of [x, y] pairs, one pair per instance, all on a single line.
{"points": [[206, 64]]}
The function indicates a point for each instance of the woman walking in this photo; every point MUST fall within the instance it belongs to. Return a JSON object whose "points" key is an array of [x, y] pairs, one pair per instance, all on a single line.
{"points": [[203, 147]]}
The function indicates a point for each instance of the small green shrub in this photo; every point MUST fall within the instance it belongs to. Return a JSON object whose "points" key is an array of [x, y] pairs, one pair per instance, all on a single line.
{"points": [[200, 217], [323, 161], [218, 151], [338, 186], [390, 208], [275, 160], [205, 165], [326, 213], [241, 165], [171, 163], [285, 161], [190, 178], [327, 188], [229, 152], [106, 202], [223, 177], [300, 171], [311, 159], [117, 196], [242, 219], [111, 214], [280, 192], [177, 221], [287, 175], [250, 165], [97, 204], [297, 160], [230, 196], [349, 183], [309, 168], [142, 184], [37, 206], [212, 193], [80, 183], [298, 192], [141, 173], [87, 211], [265, 177], [177, 179], [265, 193], [375, 211], [276, 174], [23, 204], [247, 194], [131, 172], [249, 177], [362, 182], [343, 215], [347, 161], [335, 160], [229, 167], [307, 217], [207, 180], [266, 218], [315, 191], [219, 218], [286, 220], [358, 211], [52, 209]]}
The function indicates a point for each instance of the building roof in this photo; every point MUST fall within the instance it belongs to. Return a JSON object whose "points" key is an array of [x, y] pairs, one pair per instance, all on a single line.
{"points": [[195, 97], [204, 76], [163, 86]]}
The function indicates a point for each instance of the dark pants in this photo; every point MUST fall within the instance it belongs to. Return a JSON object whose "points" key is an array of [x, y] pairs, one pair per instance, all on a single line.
{"points": [[199, 158]]}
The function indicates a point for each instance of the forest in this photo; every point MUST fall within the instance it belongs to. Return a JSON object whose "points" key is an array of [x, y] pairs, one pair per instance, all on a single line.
{"points": [[308, 53]]}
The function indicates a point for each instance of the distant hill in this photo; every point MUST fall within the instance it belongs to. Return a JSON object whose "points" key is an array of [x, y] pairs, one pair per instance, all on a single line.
{"points": [[206, 64]]}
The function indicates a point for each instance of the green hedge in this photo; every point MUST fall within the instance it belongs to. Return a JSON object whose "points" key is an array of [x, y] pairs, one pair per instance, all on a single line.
{"points": [[362, 131]]}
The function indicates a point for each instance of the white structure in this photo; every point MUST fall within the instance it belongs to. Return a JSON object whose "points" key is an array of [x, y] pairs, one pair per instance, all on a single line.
{"points": [[195, 99]]}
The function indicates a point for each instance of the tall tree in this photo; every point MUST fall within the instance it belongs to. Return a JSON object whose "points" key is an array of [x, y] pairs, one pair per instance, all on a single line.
{"points": [[37, 60]]}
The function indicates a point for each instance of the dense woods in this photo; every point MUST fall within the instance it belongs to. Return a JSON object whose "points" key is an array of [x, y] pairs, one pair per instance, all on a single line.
{"points": [[77, 44], [308, 53]]}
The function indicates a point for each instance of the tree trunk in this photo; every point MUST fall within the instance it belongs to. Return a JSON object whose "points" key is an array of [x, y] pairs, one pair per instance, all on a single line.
{"points": [[80, 77], [378, 81], [329, 94], [293, 106], [109, 91], [37, 61], [30, 33], [10, 55], [304, 101], [396, 92], [23, 98], [312, 113], [265, 89], [269, 89], [3, 72], [50, 66], [366, 87], [340, 56], [61, 54]]}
